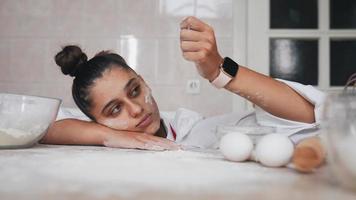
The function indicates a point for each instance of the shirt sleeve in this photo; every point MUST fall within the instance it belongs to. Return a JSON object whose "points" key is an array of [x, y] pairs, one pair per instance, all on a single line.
{"points": [[296, 130], [204, 133], [71, 113], [183, 122]]}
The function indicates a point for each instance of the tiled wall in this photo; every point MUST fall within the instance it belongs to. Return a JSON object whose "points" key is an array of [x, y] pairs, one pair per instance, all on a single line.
{"points": [[145, 32]]}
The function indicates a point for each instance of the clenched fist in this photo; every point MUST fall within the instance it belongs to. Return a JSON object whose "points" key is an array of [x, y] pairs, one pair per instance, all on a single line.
{"points": [[198, 44]]}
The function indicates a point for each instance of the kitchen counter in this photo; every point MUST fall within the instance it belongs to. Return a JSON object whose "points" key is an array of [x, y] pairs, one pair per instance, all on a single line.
{"points": [[87, 172]]}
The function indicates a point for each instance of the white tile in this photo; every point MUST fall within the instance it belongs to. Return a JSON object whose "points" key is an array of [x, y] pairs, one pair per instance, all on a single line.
{"points": [[100, 18], [28, 59], [140, 54], [68, 8], [172, 68], [24, 26], [225, 47], [52, 72], [222, 27], [61, 91], [5, 66], [25, 7], [21, 88], [9, 7], [174, 8], [93, 46], [5, 87], [145, 33], [213, 9], [67, 21], [171, 13], [169, 98], [211, 101], [10, 24], [25, 18], [137, 18]]}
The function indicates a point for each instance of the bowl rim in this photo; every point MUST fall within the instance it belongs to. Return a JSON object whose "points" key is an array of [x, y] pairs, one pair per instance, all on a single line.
{"points": [[36, 96]]}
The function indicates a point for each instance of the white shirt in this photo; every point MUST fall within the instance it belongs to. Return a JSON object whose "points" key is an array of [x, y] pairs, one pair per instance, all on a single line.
{"points": [[191, 128]]}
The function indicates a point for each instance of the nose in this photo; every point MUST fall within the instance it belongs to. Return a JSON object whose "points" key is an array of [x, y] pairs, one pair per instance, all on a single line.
{"points": [[134, 108]]}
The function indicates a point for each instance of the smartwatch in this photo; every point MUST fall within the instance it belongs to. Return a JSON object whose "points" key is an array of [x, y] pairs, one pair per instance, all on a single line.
{"points": [[228, 70]]}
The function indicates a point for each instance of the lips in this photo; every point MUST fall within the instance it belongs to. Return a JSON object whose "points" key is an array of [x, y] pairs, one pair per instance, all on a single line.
{"points": [[146, 121]]}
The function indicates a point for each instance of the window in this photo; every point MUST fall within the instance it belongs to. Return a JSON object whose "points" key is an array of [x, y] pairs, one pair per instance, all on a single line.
{"points": [[342, 14], [309, 41], [342, 60], [294, 59], [294, 14]]}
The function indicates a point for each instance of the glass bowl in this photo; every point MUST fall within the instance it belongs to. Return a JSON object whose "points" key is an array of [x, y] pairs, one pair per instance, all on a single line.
{"points": [[340, 127], [254, 132], [25, 119]]}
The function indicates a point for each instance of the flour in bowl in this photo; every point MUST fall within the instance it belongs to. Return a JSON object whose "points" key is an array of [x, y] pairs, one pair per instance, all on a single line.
{"points": [[16, 137]]}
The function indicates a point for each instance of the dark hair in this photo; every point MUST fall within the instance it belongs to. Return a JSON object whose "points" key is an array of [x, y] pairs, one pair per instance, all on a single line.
{"points": [[74, 62]]}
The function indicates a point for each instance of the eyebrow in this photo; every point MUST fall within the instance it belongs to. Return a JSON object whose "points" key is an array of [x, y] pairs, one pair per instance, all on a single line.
{"points": [[127, 86]]}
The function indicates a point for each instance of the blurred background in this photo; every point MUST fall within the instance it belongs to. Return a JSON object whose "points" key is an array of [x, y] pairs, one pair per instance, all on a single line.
{"points": [[309, 41]]}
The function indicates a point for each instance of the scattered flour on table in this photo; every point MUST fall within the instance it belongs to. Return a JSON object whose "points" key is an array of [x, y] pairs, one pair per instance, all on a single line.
{"points": [[59, 171], [128, 172]]}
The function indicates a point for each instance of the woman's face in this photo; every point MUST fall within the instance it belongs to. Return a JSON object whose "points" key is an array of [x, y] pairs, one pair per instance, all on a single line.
{"points": [[122, 100]]}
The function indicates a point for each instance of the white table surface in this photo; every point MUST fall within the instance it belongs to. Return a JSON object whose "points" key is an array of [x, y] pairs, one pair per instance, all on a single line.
{"points": [[86, 172]]}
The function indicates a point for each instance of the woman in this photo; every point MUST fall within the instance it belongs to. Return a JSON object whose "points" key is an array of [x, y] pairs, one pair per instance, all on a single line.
{"points": [[124, 114]]}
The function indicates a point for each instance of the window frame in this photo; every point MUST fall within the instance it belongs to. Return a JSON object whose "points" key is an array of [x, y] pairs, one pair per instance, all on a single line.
{"points": [[259, 33]]}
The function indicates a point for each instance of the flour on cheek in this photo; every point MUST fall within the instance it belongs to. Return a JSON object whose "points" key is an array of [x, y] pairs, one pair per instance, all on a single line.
{"points": [[148, 95], [117, 124]]}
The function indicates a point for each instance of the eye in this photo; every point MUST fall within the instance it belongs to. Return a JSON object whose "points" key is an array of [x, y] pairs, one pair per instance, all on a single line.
{"points": [[135, 92], [115, 110]]}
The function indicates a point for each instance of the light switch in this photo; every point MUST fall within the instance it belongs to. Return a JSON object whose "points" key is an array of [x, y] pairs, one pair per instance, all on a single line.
{"points": [[193, 86]]}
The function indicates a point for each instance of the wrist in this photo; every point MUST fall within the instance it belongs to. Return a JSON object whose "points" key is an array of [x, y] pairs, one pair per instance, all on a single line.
{"points": [[216, 71], [104, 135], [215, 74], [227, 71]]}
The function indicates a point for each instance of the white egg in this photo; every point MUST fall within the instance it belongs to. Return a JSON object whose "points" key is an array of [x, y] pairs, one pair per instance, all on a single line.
{"points": [[236, 146], [274, 150]]}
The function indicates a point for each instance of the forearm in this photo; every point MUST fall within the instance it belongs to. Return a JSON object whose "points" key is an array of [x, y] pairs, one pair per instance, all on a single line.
{"points": [[74, 132], [78, 132], [272, 96]]}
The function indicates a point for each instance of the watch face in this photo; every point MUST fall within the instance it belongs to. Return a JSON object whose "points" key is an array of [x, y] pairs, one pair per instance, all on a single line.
{"points": [[230, 67]]}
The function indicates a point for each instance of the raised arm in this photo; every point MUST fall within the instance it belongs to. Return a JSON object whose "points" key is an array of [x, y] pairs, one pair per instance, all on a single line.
{"points": [[199, 45], [78, 132], [273, 96]]}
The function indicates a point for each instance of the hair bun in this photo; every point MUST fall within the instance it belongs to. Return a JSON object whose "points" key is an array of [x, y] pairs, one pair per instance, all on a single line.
{"points": [[70, 59]]}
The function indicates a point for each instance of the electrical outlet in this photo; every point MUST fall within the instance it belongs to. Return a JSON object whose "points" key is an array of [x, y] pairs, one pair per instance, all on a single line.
{"points": [[193, 86]]}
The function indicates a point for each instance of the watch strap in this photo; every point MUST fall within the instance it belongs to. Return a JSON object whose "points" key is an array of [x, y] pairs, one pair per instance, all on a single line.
{"points": [[228, 70], [222, 79]]}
